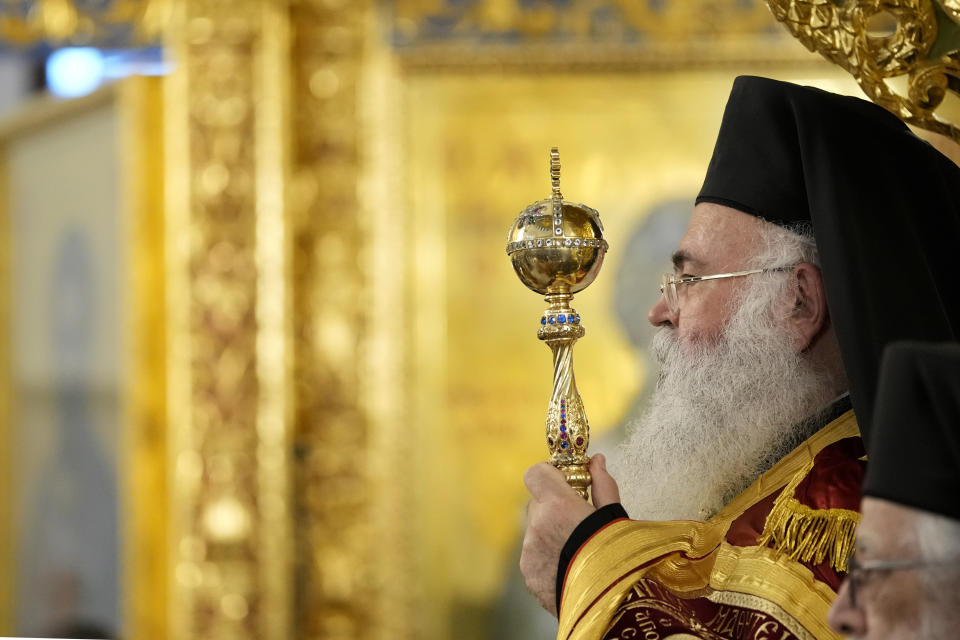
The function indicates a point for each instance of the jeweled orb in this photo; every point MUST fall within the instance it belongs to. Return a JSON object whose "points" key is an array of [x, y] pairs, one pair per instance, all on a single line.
{"points": [[552, 255]]}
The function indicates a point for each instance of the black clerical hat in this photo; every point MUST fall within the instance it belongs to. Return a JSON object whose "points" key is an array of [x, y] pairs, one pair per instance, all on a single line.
{"points": [[915, 450], [884, 206]]}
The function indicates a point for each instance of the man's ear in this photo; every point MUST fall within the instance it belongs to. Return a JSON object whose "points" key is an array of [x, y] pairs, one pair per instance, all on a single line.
{"points": [[810, 315]]}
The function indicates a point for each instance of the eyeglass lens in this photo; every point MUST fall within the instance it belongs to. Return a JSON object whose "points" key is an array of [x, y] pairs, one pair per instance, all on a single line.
{"points": [[669, 289], [853, 578]]}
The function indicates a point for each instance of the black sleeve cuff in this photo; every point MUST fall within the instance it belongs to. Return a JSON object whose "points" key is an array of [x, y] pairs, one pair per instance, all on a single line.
{"points": [[589, 526]]}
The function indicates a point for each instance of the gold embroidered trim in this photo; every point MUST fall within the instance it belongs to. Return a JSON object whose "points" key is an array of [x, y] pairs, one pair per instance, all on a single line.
{"points": [[809, 535], [763, 605]]}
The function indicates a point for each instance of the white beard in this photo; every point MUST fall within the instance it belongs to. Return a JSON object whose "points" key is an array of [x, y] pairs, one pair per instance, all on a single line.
{"points": [[721, 415]]}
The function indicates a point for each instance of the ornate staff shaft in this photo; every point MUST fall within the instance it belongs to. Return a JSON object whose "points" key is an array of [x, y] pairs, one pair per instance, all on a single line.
{"points": [[557, 248], [568, 432]]}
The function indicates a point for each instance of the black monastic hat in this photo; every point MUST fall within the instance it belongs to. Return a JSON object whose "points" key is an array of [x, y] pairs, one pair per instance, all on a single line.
{"points": [[884, 206], [915, 448]]}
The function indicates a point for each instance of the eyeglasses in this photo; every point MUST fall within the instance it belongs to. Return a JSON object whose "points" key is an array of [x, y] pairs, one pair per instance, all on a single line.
{"points": [[669, 282], [860, 570]]}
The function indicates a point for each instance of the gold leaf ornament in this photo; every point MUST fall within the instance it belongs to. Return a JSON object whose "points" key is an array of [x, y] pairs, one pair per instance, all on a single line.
{"points": [[952, 9], [915, 43]]}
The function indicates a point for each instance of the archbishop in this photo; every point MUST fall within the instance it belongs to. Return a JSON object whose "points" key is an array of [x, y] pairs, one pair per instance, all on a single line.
{"points": [[824, 231]]}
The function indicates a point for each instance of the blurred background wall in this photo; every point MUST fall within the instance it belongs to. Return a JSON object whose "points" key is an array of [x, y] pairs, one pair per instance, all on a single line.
{"points": [[267, 372]]}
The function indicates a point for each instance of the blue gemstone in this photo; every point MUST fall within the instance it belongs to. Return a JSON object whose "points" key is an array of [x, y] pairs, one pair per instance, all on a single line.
{"points": [[564, 444], [552, 320], [562, 318], [578, 318], [543, 320], [563, 428]]}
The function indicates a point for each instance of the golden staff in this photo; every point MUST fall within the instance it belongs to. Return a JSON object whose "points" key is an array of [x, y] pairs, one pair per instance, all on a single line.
{"points": [[557, 248]]}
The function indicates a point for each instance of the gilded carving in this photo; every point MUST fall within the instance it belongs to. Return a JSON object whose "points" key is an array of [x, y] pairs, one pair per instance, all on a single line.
{"points": [[842, 34], [338, 578], [226, 284]]}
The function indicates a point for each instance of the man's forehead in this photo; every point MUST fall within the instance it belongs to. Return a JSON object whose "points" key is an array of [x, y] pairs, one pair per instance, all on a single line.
{"points": [[716, 234], [886, 527]]}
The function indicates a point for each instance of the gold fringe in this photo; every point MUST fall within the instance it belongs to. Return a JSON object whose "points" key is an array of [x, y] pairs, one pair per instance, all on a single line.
{"points": [[810, 535]]}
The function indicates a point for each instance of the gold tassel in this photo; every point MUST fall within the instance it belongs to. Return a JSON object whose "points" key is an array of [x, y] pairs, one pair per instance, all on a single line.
{"points": [[810, 535]]}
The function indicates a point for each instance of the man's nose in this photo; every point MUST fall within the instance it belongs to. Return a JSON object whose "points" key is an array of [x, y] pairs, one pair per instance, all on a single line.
{"points": [[845, 618], [659, 314]]}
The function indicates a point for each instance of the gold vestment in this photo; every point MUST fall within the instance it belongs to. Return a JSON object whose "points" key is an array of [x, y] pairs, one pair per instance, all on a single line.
{"points": [[726, 579]]}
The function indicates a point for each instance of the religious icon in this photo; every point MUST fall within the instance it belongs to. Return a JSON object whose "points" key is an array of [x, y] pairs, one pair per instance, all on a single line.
{"points": [[557, 248]]}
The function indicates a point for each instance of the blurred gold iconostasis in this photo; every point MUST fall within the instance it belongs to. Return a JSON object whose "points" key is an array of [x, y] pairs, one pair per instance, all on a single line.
{"points": [[268, 371]]}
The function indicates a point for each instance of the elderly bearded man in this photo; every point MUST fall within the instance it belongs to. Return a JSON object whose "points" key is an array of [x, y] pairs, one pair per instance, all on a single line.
{"points": [[904, 583], [747, 465]]}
